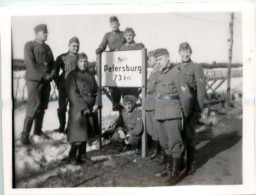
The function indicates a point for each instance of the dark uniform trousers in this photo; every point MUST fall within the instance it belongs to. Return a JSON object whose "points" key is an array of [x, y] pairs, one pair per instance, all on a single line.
{"points": [[39, 60], [172, 102], [196, 81], [66, 62], [151, 125]]}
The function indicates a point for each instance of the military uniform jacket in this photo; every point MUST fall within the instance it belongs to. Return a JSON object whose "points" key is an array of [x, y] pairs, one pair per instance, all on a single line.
{"points": [[66, 62], [82, 91], [151, 91], [196, 81], [132, 46], [173, 95], [132, 122], [38, 59], [113, 40]]}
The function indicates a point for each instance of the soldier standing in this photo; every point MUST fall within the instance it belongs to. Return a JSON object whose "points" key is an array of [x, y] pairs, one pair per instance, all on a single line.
{"points": [[150, 103], [66, 62], [84, 98], [130, 44], [114, 41], [172, 102], [196, 81], [40, 70]]}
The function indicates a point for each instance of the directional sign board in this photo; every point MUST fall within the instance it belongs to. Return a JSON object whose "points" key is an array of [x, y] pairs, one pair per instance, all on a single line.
{"points": [[123, 68]]}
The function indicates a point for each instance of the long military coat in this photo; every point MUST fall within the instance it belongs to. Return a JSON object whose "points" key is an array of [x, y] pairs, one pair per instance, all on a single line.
{"points": [[173, 98], [83, 93]]}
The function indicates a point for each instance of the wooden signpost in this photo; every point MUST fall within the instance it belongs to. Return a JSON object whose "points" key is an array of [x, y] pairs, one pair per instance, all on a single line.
{"points": [[124, 69]]}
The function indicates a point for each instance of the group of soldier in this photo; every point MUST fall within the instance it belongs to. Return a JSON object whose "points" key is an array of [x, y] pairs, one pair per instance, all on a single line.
{"points": [[173, 103]]}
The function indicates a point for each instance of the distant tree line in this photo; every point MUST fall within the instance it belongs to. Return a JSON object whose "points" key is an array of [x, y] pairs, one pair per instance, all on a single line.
{"points": [[18, 65]]}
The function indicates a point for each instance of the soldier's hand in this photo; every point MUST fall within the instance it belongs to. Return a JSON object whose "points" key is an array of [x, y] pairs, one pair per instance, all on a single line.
{"points": [[121, 134], [99, 50], [47, 77], [86, 112], [95, 108]]}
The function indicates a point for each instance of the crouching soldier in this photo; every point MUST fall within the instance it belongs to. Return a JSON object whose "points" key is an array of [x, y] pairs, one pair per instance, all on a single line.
{"points": [[84, 99], [150, 104], [130, 130], [196, 81], [172, 102]]}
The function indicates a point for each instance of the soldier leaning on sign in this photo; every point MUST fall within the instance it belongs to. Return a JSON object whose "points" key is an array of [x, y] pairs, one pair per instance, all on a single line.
{"points": [[150, 103], [172, 103], [84, 99], [130, 44], [130, 130], [40, 70], [196, 81], [65, 62], [114, 41]]}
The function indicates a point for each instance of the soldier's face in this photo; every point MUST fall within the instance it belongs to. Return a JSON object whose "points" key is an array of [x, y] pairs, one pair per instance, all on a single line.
{"points": [[151, 62], [185, 55], [82, 64], [128, 106], [129, 37], [42, 36], [114, 26], [162, 61], [73, 48]]}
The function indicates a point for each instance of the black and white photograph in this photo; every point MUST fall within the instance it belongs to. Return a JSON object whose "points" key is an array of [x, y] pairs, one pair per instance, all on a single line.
{"points": [[129, 98]]}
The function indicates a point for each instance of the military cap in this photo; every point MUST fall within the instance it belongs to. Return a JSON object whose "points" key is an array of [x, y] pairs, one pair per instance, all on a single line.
{"points": [[41, 27], [185, 46], [113, 19], [161, 52], [74, 40], [127, 30], [129, 98], [151, 53], [81, 56]]}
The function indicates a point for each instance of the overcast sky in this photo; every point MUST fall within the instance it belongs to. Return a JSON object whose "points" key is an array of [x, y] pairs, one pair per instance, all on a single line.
{"points": [[207, 33]]}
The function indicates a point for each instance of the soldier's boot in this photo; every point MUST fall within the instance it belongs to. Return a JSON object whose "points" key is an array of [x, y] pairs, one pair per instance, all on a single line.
{"points": [[155, 152], [26, 130], [166, 170], [174, 171], [162, 159], [72, 154], [62, 121], [82, 157], [38, 125], [191, 161]]}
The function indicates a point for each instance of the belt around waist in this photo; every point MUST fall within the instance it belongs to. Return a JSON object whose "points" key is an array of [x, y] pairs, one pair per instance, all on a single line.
{"points": [[167, 97]]}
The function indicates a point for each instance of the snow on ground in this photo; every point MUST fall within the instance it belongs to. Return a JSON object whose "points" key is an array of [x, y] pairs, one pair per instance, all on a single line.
{"points": [[43, 154]]}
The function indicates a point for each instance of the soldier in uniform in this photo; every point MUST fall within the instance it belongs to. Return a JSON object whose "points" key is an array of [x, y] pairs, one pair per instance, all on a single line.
{"points": [[172, 102], [130, 130], [66, 62], [84, 99], [114, 41], [130, 44], [196, 81], [39, 62], [150, 103]]}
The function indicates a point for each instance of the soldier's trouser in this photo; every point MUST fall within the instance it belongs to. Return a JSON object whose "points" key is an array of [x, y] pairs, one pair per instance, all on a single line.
{"points": [[151, 125], [132, 140], [189, 133], [38, 98], [169, 132], [116, 95], [63, 101]]}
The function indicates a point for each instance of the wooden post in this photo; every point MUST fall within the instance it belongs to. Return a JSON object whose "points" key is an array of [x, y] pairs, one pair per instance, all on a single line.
{"points": [[144, 87], [231, 24], [99, 78]]}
